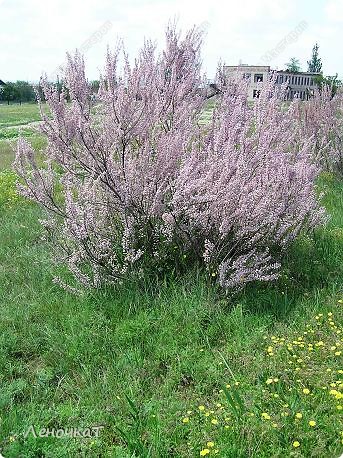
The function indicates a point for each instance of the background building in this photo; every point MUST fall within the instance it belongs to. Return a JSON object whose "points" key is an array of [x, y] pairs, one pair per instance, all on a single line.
{"points": [[299, 84]]}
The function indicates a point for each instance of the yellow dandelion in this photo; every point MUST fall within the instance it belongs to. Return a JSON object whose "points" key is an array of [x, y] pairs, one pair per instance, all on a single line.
{"points": [[296, 444], [269, 381], [298, 415], [265, 416], [214, 421], [339, 407], [333, 392], [201, 408], [210, 444], [306, 391], [204, 452], [312, 423], [338, 353], [185, 420]]}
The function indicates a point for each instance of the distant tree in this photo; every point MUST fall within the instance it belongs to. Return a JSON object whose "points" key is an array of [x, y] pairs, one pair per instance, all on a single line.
{"points": [[10, 93], [315, 63], [25, 92], [293, 65], [331, 81], [95, 84]]}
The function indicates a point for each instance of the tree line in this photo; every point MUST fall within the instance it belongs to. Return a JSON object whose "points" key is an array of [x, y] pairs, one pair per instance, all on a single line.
{"points": [[23, 91]]}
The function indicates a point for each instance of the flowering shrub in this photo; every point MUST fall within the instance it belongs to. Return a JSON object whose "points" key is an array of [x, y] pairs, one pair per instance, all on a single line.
{"points": [[322, 118], [135, 180]]}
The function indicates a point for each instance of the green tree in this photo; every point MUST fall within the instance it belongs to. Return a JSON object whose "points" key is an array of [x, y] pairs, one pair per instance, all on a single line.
{"points": [[315, 63], [331, 81], [25, 92], [293, 65], [9, 93]]}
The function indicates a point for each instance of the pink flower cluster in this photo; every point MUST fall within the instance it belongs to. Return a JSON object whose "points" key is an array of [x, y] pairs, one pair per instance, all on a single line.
{"points": [[322, 118], [135, 177]]}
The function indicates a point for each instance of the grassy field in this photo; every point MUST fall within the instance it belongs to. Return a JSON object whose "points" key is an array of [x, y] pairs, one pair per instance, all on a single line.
{"points": [[171, 368], [16, 115], [14, 120]]}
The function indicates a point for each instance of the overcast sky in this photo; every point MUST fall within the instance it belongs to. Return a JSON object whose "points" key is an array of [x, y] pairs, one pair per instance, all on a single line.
{"points": [[35, 34]]}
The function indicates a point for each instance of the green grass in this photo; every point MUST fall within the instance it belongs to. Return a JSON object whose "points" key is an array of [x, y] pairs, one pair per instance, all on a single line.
{"points": [[16, 115], [71, 361], [140, 360], [8, 147], [13, 119]]}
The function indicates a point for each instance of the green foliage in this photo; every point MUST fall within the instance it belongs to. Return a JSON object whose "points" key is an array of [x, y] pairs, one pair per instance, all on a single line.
{"points": [[19, 91], [8, 192], [15, 133], [331, 81], [168, 347], [293, 65], [315, 63]]}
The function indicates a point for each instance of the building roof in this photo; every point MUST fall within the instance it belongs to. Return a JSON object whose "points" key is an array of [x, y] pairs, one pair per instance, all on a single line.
{"points": [[2, 83], [298, 73], [246, 67]]}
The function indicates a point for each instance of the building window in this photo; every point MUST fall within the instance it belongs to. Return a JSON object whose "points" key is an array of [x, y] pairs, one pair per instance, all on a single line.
{"points": [[281, 79], [258, 77], [256, 93], [247, 76]]}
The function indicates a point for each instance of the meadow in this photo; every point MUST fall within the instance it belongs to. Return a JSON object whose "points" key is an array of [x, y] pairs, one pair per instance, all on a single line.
{"points": [[170, 367]]}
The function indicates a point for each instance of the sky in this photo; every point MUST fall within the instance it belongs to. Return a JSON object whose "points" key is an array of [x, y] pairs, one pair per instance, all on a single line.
{"points": [[36, 34]]}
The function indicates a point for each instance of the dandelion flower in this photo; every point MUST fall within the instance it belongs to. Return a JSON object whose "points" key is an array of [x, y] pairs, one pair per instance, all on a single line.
{"points": [[201, 408], [312, 423], [298, 415], [204, 452], [306, 391], [296, 444], [210, 444], [214, 421], [185, 420]]}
